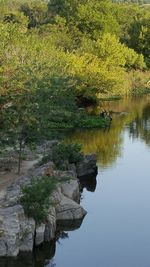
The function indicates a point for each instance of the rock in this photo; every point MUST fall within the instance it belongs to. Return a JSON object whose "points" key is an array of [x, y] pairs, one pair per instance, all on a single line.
{"points": [[39, 236], [66, 208], [18, 233], [27, 234], [65, 175], [69, 225], [46, 169], [3, 248], [11, 228], [87, 166], [12, 196], [50, 227], [71, 190], [2, 197]]}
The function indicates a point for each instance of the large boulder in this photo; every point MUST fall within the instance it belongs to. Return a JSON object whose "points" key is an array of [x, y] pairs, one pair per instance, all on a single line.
{"points": [[87, 166], [71, 190], [66, 208], [17, 231], [27, 234]]}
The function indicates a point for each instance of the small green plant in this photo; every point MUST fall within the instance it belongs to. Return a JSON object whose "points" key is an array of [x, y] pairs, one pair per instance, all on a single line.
{"points": [[36, 197]]}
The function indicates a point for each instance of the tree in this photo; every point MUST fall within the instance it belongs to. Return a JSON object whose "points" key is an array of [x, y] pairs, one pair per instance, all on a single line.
{"points": [[140, 37], [36, 11], [96, 17], [25, 70]]}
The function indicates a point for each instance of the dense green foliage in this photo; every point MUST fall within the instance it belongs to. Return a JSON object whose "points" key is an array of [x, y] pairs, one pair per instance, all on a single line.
{"points": [[64, 153], [57, 53], [36, 197], [93, 121], [70, 152]]}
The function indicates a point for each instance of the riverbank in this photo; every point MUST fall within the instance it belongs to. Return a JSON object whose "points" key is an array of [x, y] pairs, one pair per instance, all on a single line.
{"points": [[18, 232]]}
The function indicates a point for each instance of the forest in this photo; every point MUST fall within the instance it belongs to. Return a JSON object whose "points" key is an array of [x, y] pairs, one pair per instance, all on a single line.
{"points": [[59, 55]]}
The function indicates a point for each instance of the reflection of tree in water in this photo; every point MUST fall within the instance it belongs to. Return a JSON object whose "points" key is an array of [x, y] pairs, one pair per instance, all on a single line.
{"points": [[140, 127], [105, 143]]}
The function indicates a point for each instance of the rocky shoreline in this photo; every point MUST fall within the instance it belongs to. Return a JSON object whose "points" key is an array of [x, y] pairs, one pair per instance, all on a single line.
{"points": [[18, 233]]}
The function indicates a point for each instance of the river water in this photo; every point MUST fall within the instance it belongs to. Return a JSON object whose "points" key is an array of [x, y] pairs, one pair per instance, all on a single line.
{"points": [[116, 230]]}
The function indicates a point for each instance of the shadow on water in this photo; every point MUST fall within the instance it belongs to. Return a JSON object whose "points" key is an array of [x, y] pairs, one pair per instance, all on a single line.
{"points": [[88, 182], [21, 261], [43, 254]]}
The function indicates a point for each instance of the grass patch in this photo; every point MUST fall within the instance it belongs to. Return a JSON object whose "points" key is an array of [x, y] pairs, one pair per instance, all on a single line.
{"points": [[91, 121]]}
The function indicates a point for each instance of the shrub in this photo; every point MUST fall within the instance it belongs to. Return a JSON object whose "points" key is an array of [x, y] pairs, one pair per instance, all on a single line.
{"points": [[70, 152], [63, 154], [36, 197]]}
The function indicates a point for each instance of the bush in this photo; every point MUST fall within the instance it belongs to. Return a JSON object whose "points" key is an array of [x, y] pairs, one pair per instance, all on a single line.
{"points": [[64, 153], [67, 152], [35, 198]]}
